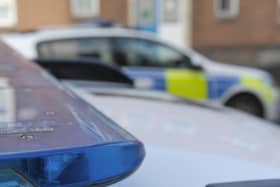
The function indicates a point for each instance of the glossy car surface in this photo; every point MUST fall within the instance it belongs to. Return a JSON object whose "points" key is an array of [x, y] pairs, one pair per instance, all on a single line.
{"points": [[156, 64], [47, 133], [189, 143]]}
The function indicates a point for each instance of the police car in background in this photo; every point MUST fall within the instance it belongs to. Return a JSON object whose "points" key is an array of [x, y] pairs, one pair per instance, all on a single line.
{"points": [[156, 64]]}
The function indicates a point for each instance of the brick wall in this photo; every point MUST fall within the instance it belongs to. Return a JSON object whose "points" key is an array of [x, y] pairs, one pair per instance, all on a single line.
{"points": [[257, 24], [247, 39], [41, 13], [34, 14], [116, 10]]}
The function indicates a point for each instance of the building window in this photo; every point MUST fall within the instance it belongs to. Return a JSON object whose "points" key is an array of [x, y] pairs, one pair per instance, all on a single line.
{"points": [[85, 8], [8, 13], [171, 11], [226, 9]]}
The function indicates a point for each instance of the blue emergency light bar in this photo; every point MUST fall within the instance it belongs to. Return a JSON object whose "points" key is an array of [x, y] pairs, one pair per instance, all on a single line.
{"points": [[101, 164], [74, 146], [51, 137]]}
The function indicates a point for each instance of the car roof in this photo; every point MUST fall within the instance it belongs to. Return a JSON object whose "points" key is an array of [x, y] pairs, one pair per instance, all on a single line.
{"points": [[97, 31], [76, 32], [26, 42]]}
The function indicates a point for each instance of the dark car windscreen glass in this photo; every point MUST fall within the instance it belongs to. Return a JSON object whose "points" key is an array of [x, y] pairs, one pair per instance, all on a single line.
{"points": [[140, 52], [97, 48], [9, 178]]}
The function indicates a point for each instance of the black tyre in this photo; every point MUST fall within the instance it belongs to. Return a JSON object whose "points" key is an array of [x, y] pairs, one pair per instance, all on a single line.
{"points": [[247, 103]]}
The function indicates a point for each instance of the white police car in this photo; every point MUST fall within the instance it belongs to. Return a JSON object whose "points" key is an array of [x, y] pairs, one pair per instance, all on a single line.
{"points": [[50, 137], [192, 144], [156, 64]]}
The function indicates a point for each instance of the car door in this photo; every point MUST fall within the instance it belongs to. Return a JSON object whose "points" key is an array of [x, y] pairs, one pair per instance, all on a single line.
{"points": [[157, 66]]}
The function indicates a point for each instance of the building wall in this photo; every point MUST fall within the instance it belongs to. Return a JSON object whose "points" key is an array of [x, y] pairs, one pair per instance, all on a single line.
{"points": [[41, 13], [179, 31], [116, 10], [34, 14], [253, 38], [257, 24]]}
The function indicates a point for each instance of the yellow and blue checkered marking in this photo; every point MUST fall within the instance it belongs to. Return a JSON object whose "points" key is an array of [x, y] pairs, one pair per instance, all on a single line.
{"points": [[220, 84], [259, 86], [156, 75], [187, 83], [197, 84]]}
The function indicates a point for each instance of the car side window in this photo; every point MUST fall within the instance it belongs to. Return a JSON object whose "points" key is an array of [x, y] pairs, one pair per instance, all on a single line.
{"points": [[97, 48], [140, 52]]}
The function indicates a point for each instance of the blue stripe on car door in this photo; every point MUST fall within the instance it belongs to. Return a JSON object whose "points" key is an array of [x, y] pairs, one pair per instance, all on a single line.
{"points": [[218, 85], [156, 75]]}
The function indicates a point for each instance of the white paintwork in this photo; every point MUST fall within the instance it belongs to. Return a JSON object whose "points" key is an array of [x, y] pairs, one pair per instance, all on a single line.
{"points": [[167, 167], [179, 32], [188, 22], [173, 31], [189, 144], [26, 44]]}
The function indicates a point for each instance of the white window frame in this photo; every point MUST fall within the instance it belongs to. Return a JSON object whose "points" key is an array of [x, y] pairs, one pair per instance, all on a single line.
{"points": [[79, 13], [232, 13], [10, 19]]}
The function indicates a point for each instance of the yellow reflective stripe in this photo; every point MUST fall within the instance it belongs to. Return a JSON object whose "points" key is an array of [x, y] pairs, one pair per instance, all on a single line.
{"points": [[260, 86], [187, 83]]}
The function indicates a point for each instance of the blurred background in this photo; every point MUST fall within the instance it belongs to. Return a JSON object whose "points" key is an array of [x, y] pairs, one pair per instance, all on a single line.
{"points": [[230, 31]]}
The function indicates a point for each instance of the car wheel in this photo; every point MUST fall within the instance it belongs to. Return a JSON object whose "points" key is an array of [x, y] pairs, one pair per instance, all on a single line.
{"points": [[247, 103]]}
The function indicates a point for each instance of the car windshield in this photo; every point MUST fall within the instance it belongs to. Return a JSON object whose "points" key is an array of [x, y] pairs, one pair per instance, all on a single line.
{"points": [[9, 178]]}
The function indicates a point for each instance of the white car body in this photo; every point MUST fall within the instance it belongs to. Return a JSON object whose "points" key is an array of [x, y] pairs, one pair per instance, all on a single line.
{"points": [[191, 144], [27, 43]]}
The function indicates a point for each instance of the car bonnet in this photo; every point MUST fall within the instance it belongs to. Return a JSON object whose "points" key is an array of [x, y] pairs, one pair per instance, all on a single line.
{"points": [[187, 126]]}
